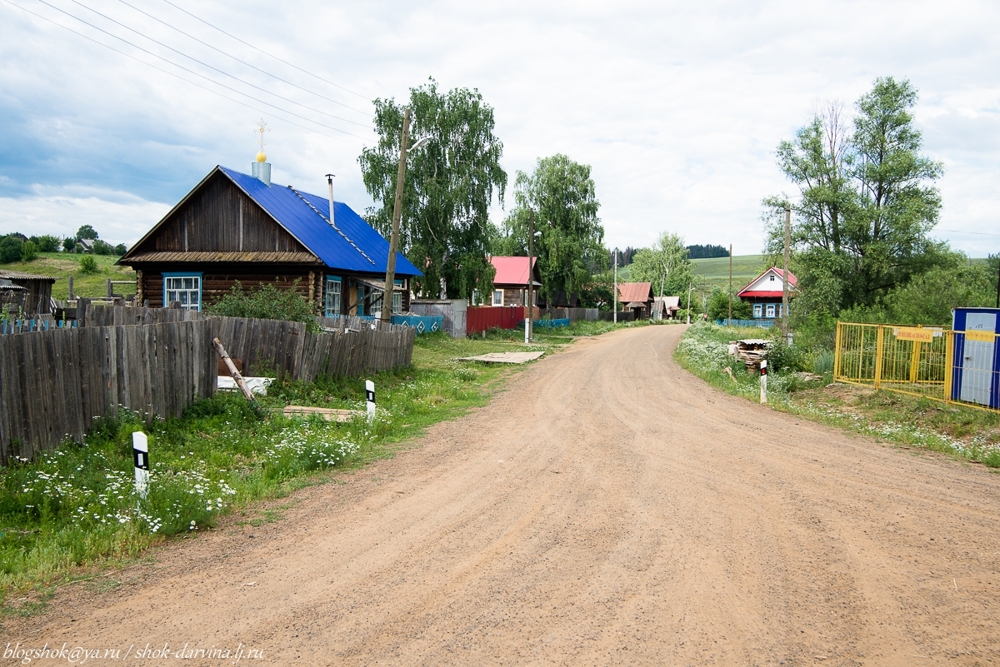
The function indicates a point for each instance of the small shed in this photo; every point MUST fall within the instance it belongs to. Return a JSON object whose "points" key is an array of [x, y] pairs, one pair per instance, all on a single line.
{"points": [[666, 307], [511, 282], [27, 291]]}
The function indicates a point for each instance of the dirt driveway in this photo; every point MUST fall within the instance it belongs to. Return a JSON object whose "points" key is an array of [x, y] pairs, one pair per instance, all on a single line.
{"points": [[609, 509]]}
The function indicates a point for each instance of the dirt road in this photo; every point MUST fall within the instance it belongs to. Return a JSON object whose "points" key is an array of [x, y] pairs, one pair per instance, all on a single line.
{"points": [[610, 509]]}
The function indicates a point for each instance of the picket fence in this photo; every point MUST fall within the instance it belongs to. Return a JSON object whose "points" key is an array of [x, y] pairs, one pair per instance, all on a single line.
{"points": [[54, 384]]}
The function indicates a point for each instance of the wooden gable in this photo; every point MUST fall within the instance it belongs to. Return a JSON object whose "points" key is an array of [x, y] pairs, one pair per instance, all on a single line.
{"points": [[218, 217]]}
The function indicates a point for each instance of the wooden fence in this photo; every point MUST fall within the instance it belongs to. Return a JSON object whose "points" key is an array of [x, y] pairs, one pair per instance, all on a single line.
{"points": [[54, 384]]}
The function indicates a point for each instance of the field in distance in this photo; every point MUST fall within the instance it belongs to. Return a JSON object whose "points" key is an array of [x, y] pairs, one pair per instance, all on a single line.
{"points": [[715, 270]]}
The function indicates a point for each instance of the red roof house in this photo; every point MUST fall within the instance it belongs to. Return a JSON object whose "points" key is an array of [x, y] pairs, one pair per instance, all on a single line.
{"points": [[637, 297], [510, 285], [765, 292]]}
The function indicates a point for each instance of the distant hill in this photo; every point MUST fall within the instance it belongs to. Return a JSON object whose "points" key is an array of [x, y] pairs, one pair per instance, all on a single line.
{"points": [[60, 265], [715, 270]]}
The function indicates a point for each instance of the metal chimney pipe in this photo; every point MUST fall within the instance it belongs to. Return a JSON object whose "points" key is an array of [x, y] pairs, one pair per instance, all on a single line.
{"points": [[329, 180]]}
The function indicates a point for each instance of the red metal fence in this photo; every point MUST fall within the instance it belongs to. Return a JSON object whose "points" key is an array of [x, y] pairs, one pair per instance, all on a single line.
{"points": [[493, 317]]}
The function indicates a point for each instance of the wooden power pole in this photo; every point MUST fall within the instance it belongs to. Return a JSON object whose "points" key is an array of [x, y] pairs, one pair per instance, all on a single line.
{"points": [[730, 320], [397, 210], [784, 289]]}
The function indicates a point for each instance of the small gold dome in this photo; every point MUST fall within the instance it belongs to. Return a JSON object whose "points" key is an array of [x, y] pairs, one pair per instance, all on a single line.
{"points": [[261, 157]]}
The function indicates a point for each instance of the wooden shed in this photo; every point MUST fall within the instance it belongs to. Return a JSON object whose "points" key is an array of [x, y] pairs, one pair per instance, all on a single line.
{"points": [[31, 293], [235, 227]]}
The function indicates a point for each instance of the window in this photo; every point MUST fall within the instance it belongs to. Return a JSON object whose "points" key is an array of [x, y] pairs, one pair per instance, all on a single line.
{"points": [[771, 277], [184, 289], [475, 297], [498, 297], [397, 303], [770, 310], [331, 300], [758, 310]]}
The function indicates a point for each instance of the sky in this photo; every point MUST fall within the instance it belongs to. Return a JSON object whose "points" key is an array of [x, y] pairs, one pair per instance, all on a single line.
{"points": [[677, 107]]}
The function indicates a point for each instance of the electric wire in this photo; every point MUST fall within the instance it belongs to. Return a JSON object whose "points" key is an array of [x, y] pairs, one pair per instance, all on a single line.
{"points": [[212, 67], [177, 76], [269, 55], [190, 71], [243, 62]]}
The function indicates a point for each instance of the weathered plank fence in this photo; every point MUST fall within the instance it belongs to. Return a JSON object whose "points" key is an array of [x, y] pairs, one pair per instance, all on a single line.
{"points": [[54, 384]]}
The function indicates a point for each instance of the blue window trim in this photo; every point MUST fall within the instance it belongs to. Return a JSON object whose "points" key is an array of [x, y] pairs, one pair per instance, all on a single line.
{"points": [[333, 279], [185, 274]]}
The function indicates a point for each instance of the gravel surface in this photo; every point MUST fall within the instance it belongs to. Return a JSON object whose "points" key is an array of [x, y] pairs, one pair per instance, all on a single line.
{"points": [[607, 509]]}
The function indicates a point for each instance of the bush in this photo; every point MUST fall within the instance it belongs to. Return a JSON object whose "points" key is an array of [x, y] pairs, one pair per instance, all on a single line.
{"points": [[46, 243], [120, 249], [29, 251], [267, 302], [10, 249], [69, 244], [718, 307], [783, 357], [88, 265]]}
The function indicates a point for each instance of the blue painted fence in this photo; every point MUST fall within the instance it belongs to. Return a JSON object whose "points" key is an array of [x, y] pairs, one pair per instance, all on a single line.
{"points": [[422, 323], [550, 324], [44, 324], [760, 324]]}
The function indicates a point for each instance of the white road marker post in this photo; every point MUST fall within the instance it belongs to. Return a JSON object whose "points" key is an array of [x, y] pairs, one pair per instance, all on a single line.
{"points": [[763, 381], [370, 395], [140, 457]]}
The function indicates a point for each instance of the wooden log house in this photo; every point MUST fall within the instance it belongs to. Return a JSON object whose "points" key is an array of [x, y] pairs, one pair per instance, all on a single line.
{"points": [[235, 227]]}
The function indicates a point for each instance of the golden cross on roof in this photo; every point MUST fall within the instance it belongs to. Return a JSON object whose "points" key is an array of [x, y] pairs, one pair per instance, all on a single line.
{"points": [[260, 130]]}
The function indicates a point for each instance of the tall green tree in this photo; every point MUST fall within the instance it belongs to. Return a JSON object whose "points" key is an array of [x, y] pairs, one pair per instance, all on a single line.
{"points": [[866, 204], [450, 184], [570, 246], [665, 265]]}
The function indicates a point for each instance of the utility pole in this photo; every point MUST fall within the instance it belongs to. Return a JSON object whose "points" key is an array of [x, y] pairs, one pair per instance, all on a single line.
{"points": [[616, 286], [690, 287], [531, 278], [397, 210], [730, 320], [784, 288]]}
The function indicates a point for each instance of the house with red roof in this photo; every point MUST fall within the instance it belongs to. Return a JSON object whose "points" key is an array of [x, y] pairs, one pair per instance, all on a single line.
{"points": [[765, 291], [510, 284], [637, 298]]}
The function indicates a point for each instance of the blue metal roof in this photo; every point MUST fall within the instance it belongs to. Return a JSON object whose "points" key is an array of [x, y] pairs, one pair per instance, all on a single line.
{"points": [[357, 247]]}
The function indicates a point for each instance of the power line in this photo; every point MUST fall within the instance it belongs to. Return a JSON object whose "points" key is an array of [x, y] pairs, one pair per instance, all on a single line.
{"points": [[229, 55], [190, 71], [962, 231], [175, 75], [315, 76], [212, 67]]}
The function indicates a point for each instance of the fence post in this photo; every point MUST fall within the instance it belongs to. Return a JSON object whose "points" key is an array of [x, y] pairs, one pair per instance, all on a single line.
{"points": [[878, 358], [763, 382], [949, 364], [837, 352]]}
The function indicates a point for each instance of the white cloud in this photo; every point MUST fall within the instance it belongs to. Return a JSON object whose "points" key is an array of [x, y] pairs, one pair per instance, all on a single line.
{"points": [[678, 107]]}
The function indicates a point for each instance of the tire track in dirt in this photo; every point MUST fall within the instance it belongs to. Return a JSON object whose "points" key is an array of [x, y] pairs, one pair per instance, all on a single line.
{"points": [[608, 508]]}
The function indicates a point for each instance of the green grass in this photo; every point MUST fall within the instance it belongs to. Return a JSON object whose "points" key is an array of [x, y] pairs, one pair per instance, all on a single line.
{"points": [[61, 265], [957, 431], [74, 511]]}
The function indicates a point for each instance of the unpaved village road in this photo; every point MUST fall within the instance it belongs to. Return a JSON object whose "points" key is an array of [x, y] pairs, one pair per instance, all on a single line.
{"points": [[609, 509]]}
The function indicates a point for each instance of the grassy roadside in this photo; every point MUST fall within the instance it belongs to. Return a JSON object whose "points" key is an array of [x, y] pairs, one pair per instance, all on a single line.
{"points": [[74, 511], [898, 419]]}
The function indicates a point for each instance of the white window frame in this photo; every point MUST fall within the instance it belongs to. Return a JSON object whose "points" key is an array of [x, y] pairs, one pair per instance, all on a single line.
{"points": [[498, 302], [758, 311], [333, 301], [184, 288], [769, 311]]}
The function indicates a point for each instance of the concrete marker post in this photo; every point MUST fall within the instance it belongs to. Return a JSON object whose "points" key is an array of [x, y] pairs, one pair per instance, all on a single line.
{"points": [[140, 458], [763, 381], [370, 396]]}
